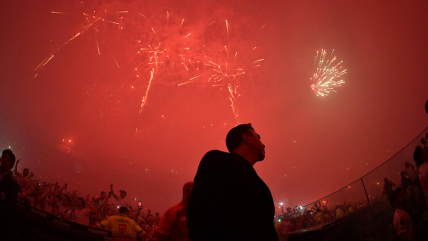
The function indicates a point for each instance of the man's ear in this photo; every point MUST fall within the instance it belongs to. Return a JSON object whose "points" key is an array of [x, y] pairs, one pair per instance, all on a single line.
{"points": [[246, 137]]}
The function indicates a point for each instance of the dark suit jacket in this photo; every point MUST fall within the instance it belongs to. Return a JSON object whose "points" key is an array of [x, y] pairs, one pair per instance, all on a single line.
{"points": [[229, 201], [9, 189]]}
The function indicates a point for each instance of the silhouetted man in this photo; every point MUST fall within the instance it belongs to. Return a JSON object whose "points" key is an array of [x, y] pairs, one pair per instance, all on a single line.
{"points": [[229, 200], [9, 189], [420, 156], [403, 224], [173, 223]]}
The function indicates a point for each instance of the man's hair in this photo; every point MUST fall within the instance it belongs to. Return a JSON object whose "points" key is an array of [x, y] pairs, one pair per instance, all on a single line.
{"points": [[394, 194], [234, 136], [123, 209], [418, 155], [10, 153], [423, 141], [103, 192]]}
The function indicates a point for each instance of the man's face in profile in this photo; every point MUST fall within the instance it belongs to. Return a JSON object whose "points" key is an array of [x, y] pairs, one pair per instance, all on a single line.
{"points": [[122, 195], [5, 162], [258, 146]]}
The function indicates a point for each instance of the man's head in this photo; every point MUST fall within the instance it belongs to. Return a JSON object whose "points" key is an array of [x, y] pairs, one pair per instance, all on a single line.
{"points": [[124, 210], [187, 190], [65, 200], [424, 141], [122, 194], [80, 202], [7, 161], [149, 219], [420, 155], [385, 180], [25, 172], [243, 139], [409, 166], [398, 197], [103, 195]]}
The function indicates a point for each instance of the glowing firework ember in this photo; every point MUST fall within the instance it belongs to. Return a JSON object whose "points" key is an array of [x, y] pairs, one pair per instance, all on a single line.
{"points": [[326, 79]]}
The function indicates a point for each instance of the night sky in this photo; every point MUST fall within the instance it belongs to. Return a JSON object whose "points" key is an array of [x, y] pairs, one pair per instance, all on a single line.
{"points": [[78, 121]]}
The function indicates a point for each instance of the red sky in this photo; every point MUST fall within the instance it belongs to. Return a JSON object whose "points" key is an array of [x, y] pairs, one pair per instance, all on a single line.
{"points": [[314, 145]]}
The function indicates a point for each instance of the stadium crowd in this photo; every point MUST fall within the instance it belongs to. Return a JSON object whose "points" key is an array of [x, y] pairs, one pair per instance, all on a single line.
{"points": [[69, 205], [109, 211], [318, 214]]}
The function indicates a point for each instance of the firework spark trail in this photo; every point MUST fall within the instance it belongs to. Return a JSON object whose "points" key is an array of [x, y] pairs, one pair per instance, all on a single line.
{"points": [[326, 78], [233, 102], [144, 100], [92, 19]]}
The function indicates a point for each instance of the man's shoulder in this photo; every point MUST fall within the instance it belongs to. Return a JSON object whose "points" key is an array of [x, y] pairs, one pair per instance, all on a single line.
{"points": [[177, 206], [172, 211], [9, 180], [216, 153], [215, 158], [116, 217], [424, 167]]}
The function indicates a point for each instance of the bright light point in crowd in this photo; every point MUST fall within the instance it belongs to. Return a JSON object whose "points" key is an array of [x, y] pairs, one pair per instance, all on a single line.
{"points": [[9, 147], [132, 87], [69, 141], [281, 204]]}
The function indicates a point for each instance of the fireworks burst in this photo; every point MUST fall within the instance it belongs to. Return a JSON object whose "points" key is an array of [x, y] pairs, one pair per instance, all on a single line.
{"points": [[223, 67], [326, 79], [151, 48]]}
